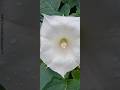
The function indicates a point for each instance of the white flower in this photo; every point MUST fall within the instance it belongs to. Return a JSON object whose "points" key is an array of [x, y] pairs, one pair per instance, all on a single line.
{"points": [[60, 43]]}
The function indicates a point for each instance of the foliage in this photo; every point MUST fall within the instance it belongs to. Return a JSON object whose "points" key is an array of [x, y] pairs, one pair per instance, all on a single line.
{"points": [[60, 7], [50, 80]]}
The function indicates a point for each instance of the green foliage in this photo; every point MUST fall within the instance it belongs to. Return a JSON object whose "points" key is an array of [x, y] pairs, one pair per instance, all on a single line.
{"points": [[50, 7], [49, 80], [60, 84], [76, 74], [72, 3], [60, 7], [73, 84], [46, 75], [65, 10]]}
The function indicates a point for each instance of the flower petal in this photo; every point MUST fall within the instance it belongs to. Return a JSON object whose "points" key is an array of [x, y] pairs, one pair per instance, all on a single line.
{"points": [[60, 25], [61, 65], [52, 30]]}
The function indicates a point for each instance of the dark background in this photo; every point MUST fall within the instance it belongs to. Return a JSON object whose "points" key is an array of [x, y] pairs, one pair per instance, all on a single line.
{"points": [[19, 65], [100, 44]]}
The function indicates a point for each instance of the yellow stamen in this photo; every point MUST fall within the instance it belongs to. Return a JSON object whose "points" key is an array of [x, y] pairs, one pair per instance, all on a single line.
{"points": [[63, 43]]}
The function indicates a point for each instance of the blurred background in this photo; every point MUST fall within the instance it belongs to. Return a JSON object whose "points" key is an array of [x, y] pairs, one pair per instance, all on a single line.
{"points": [[19, 65]]}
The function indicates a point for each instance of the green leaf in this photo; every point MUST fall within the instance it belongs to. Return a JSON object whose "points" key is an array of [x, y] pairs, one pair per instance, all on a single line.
{"points": [[65, 10], [72, 3], [77, 14], [76, 74], [63, 84], [73, 84], [55, 84], [46, 75], [78, 4], [50, 80], [78, 11], [67, 75], [50, 7]]}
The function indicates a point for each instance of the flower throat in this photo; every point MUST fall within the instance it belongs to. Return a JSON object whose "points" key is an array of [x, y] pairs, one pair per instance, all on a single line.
{"points": [[63, 43]]}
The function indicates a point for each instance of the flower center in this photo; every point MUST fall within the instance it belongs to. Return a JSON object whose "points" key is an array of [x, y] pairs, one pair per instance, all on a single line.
{"points": [[63, 43]]}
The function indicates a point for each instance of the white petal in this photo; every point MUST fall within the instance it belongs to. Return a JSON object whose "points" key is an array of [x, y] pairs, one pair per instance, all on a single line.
{"points": [[53, 28], [46, 50], [62, 65]]}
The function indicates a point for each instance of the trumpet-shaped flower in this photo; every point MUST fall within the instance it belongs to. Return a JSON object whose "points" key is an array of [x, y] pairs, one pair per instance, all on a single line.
{"points": [[60, 43]]}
